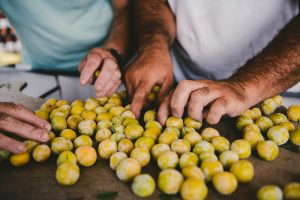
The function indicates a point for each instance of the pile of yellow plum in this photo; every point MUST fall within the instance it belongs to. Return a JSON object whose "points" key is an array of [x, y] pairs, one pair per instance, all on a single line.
{"points": [[187, 158]]}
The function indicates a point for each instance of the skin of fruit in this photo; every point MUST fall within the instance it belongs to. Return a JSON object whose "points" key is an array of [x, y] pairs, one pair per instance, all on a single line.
{"points": [[116, 158], [278, 100], [128, 121], [192, 123], [295, 137], [117, 137], [227, 158], [116, 100], [127, 114], [145, 142], [106, 148], [117, 110], [169, 181], [207, 155], [133, 131], [278, 134], [180, 146], [253, 137], [67, 174], [30, 145], [118, 128], [220, 143], [61, 103], [61, 144], [125, 145], [188, 159], [83, 140], [87, 127], [264, 123], [167, 138], [251, 127], [159, 149], [268, 106], [58, 123], [278, 118], [172, 129], [100, 109], [193, 172], [143, 185], [267, 150], [88, 115], [193, 138], [203, 146], [43, 114], [127, 169], [208, 133], [77, 102], [142, 155], [250, 114], [19, 160], [242, 148], [153, 124], [243, 121], [175, 122], [153, 133], [193, 189], [210, 168], [117, 120], [167, 160], [243, 170], [66, 156], [73, 121], [292, 191], [77, 110], [269, 192], [185, 130], [225, 183], [86, 155], [69, 134], [104, 116], [104, 124], [289, 126], [41, 153], [91, 105], [102, 100], [102, 134], [293, 113], [150, 115]]}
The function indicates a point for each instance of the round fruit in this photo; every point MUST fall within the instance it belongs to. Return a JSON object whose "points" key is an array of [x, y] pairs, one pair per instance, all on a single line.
{"points": [[58, 123], [224, 182], [106, 148], [278, 100], [133, 131], [127, 114], [102, 100], [190, 122], [293, 113], [77, 102], [104, 116], [30, 144], [61, 103], [289, 126], [66, 156], [278, 134], [69, 134], [73, 121], [243, 170], [295, 137], [150, 115], [207, 155], [141, 154], [220, 143], [43, 114], [83, 140], [202, 147], [167, 138], [188, 159], [180, 146], [67, 174], [117, 110], [242, 148], [143, 185], [251, 127], [172, 130], [193, 172], [227, 158], [253, 137], [268, 106], [159, 149], [19, 160], [102, 134], [77, 110], [86, 155], [153, 133], [153, 124], [169, 181], [193, 189], [264, 123], [118, 128], [192, 137], [250, 114], [88, 115], [292, 191], [127, 169], [210, 168], [100, 109], [185, 130], [61, 144], [115, 100], [41, 153], [125, 145], [144, 142], [116, 158], [104, 124], [167, 160], [278, 118], [175, 122], [271, 192], [209, 133], [267, 150], [243, 121]]}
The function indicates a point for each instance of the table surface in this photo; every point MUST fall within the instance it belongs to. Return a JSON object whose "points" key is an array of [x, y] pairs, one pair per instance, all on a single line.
{"points": [[37, 180]]}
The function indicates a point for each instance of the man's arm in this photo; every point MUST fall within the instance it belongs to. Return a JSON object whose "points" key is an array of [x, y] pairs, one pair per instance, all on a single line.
{"points": [[155, 30], [101, 58]]}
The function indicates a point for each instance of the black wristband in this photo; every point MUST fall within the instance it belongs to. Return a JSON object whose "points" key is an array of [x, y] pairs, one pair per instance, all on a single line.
{"points": [[118, 56]]}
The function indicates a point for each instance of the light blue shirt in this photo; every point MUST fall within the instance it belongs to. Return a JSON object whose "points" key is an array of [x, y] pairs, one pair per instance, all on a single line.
{"points": [[57, 34]]}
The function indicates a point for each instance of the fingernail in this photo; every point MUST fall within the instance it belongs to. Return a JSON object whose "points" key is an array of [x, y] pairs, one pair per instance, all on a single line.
{"points": [[45, 137], [21, 148], [47, 126], [83, 82]]}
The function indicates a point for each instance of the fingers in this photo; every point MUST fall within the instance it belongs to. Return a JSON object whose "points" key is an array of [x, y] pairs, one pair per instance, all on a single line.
{"points": [[199, 99], [181, 96], [15, 126], [114, 88], [164, 91], [216, 111], [92, 64], [11, 145], [109, 71], [111, 83], [82, 64], [140, 96], [24, 114], [164, 109]]}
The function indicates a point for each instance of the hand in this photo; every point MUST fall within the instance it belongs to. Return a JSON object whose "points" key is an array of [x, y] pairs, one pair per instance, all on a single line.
{"points": [[18, 120], [205, 99], [144, 73], [109, 78]]}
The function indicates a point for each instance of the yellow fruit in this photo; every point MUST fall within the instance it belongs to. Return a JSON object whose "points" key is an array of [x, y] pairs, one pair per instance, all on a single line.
{"points": [[185, 130], [268, 106], [73, 121], [193, 189], [293, 113], [83, 140], [150, 115], [117, 137], [116, 158], [144, 142], [167, 160], [242, 148], [253, 137], [102, 100], [61, 144], [104, 116], [133, 131], [118, 128], [128, 121], [41, 153], [278, 134], [30, 144], [61, 103], [87, 127], [86, 155], [117, 110], [188, 159], [19, 160], [269, 192], [109, 105], [207, 156], [141, 154], [278, 100], [104, 124], [77, 102], [57, 112], [4, 155], [151, 97], [295, 137], [289, 126], [169, 181], [116, 100], [91, 105], [209, 133], [292, 191], [127, 169], [153, 124], [153, 133], [69, 134], [278, 118], [220, 143], [117, 120], [51, 136], [264, 123], [43, 114], [48, 107], [167, 138], [106, 148], [193, 171], [175, 122], [227, 158], [52, 101], [100, 109], [125, 145], [77, 110], [210, 168], [193, 138], [257, 111], [192, 123], [159, 149], [243, 170], [267, 150], [172, 130], [250, 113], [127, 114], [251, 127], [224, 182], [66, 156], [67, 174], [202, 147], [88, 115], [243, 121], [143, 185], [180, 146], [102, 134], [58, 123]]}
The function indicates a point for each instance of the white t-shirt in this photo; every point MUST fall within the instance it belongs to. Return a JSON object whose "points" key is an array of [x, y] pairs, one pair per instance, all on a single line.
{"points": [[215, 38]]}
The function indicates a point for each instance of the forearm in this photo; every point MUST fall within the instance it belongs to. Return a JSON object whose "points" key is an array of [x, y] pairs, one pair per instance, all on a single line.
{"points": [[119, 36], [155, 25], [276, 69]]}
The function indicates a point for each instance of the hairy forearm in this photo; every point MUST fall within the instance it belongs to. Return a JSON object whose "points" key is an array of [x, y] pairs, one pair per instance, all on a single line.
{"points": [[155, 25], [119, 36], [275, 69]]}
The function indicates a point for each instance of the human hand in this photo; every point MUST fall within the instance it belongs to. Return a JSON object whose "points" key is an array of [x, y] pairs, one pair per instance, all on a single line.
{"points": [[20, 121], [205, 99], [109, 78], [144, 73]]}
